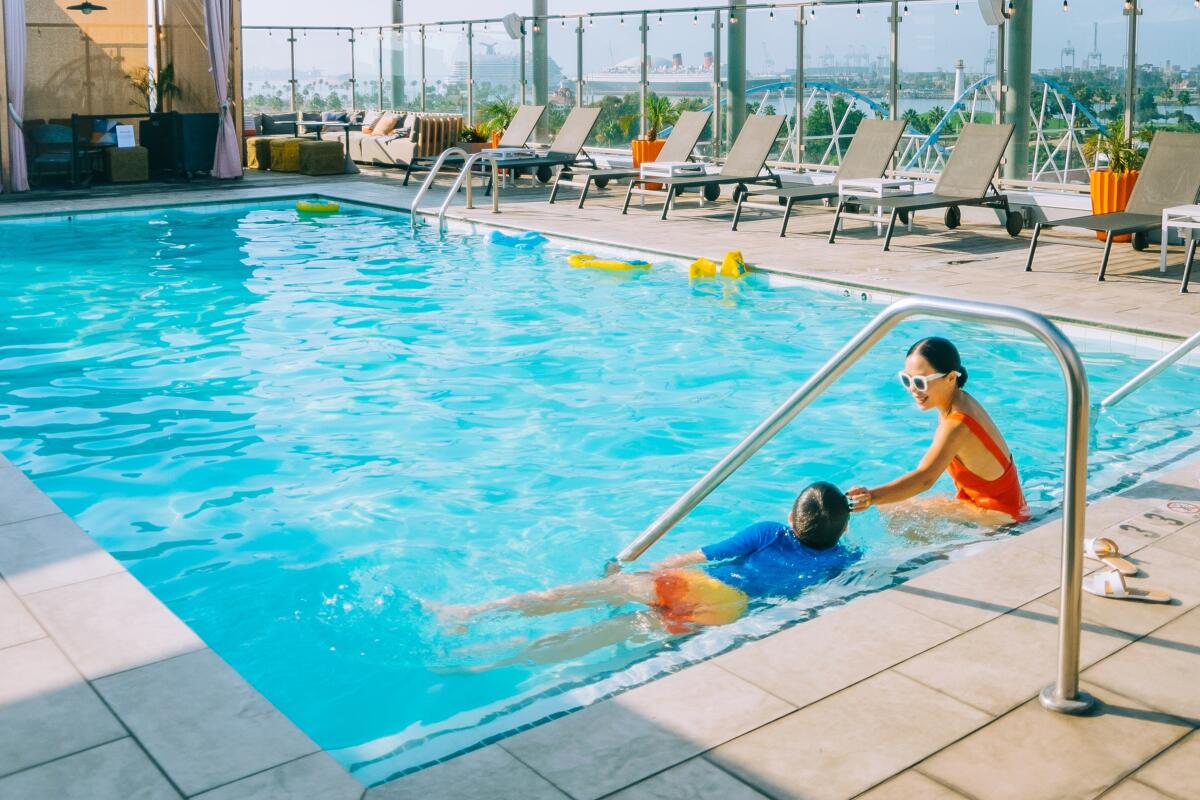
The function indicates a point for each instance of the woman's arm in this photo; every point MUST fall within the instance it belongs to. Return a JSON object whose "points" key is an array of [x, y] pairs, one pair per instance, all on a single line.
{"points": [[947, 440]]}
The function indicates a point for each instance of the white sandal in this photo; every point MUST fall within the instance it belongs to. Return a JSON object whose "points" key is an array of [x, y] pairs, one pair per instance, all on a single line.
{"points": [[1111, 584], [1106, 552]]}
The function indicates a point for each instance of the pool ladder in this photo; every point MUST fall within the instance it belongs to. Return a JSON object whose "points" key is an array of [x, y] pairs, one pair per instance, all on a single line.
{"points": [[1144, 377], [465, 173], [1063, 695]]}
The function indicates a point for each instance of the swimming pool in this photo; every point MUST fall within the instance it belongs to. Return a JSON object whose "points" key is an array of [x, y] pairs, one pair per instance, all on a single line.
{"points": [[300, 431]]}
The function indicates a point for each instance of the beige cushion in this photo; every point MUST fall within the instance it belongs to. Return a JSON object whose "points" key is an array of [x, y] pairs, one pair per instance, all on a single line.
{"points": [[385, 125], [370, 118]]}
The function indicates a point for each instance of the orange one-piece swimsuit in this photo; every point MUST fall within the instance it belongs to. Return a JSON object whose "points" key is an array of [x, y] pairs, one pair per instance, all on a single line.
{"points": [[1002, 494]]}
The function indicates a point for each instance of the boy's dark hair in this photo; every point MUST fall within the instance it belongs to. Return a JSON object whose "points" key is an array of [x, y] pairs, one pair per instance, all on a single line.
{"points": [[820, 515]]}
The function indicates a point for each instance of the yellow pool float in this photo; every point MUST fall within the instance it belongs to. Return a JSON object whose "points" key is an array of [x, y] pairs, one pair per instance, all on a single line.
{"points": [[580, 260], [317, 207]]}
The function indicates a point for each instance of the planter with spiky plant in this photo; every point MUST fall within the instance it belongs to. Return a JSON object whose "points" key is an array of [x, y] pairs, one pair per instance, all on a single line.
{"points": [[659, 114], [1112, 184], [496, 115]]}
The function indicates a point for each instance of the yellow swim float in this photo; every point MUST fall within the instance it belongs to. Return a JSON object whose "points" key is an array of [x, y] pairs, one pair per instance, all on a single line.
{"points": [[317, 207], [580, 260]]}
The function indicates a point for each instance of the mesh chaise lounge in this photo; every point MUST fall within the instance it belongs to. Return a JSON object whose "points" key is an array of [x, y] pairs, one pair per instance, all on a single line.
{"points": [[678, 147], [521, 126], [1170, 177], [745, 164], [966, 180], [564, 151], [868, 156]]}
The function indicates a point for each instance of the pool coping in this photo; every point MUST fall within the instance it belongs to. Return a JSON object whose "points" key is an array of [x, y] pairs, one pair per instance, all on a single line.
{"points": [[68, 572]]}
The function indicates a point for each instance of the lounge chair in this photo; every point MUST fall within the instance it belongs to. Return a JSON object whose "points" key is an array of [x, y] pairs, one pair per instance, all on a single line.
{"points": [[870, 152], [744, 165], [966, 180], [522, 125], [564, 151], [1170, 177], [678, 147]]}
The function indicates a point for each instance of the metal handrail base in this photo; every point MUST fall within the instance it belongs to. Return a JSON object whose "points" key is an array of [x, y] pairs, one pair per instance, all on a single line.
{"points": [[1064, 695], [466, 173], [1145, 376]]}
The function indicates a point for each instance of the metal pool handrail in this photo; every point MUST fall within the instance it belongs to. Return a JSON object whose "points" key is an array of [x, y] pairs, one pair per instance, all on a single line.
{"points": [[466, 172], [1144, 377], [429, 179], [1064, 695]]}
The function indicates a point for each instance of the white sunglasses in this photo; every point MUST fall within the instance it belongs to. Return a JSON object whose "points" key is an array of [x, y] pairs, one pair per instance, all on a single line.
{"points": [[918, 382]]}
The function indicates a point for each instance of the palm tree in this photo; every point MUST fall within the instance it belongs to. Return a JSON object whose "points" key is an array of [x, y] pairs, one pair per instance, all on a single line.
{"points": [[659, 114], [497, 113]]}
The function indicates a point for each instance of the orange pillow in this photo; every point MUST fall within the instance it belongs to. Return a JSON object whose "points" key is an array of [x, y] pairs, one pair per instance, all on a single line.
{"points": [[366, 131], [386, 124]]}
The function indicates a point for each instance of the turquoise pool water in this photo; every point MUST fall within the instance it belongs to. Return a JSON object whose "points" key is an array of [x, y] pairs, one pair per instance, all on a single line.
{"points": [[300, 432]]}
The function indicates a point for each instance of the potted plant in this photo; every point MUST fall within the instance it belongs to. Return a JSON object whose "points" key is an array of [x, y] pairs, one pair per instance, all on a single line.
{"points": [[659, 114], [161, 87], [497, 114], [472, 139], [1113, 183]]}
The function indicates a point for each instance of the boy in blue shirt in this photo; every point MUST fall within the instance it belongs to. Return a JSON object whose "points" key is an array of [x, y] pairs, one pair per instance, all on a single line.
{"points": [[766, 559]]}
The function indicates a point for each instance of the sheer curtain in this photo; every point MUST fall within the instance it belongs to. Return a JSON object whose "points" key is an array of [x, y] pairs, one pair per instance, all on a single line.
{"points": [[14, 48], [228, 160]]}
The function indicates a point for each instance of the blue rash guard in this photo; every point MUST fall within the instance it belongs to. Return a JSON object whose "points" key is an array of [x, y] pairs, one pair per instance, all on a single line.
{"points": [[766, 560]]}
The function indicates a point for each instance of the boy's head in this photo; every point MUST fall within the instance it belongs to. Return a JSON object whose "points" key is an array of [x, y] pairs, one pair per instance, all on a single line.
{"points": [[820, 515]]}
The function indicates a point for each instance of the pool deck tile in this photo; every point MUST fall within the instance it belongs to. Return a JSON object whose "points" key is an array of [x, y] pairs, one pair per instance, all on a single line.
{"points": [[46, 709], [1030, 754], [969, 592], [17, 625], [850, 741], [609, 745], [20, 499], [840, 647], [687, 781], [1176, 771], [110, 624], [201, 722], [911, 785], [1130, 789], [489, 772], [48, 552], [1159, 670], [115, 771], [315, 776], [1000, 664]]}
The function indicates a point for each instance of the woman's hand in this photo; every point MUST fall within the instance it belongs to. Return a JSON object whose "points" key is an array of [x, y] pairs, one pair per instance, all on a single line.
{"points": [[860, 498]]}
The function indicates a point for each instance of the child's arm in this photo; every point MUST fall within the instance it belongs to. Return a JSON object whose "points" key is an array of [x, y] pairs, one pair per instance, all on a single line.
{"points": [[682, 560]]}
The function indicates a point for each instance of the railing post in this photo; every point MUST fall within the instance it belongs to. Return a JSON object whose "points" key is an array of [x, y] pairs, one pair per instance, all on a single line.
{"points": [[894, 72], [381, 106], [291, 66], [644, 82], [353, 78], [470, 76], [1132, 10], [718, 127], [522, 60], [423, 81], [799, 88]]}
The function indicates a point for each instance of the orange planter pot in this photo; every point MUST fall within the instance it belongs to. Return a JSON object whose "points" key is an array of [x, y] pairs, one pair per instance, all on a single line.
{"points": [[1110, 192], [645, 150], [496, 138]]}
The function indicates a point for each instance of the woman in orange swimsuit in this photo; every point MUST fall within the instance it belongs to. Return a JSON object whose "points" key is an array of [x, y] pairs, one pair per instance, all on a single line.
{"points": [[967, 442]]}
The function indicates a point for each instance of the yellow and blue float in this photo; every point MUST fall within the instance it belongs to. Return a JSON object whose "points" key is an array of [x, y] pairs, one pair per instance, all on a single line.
{"points": [[317, 207], [582, 260]]}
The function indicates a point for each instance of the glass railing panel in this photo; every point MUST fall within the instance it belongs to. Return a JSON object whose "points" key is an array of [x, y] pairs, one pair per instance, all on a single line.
{"points": [[402, 67], [497, 74], [680, 73], [266, 70], [1168, 57], [771, 72], [323, 70], [612, 77], [563, 73], [446, 69]]}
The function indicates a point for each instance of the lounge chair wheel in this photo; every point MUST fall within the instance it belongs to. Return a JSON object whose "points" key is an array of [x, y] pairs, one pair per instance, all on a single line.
{"points": [[712, 192], [953, 217], [1013, 223], [902, 215], [544, 174], [567, 174], [600, 182], [782, 201], [738, 191], [1140, 242]]}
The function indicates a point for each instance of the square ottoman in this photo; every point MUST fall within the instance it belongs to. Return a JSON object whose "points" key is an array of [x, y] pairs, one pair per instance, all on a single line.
{"points": [[258, 152], [285, 155], [322, 158], [126, 164]]}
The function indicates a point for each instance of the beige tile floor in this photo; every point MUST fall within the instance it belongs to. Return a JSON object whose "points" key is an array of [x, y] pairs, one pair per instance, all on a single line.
{"points": [[925, 690]]}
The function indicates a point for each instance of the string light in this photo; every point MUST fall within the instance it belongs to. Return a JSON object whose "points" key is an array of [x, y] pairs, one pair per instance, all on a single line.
{"points": [[1129, 5], [622, 19], [812, 12], [771, 16], [1012, 9], [733, 19], [695, 19], [956, 9], [660, 19], [906, 9], [858, 9], [1066, 6]]}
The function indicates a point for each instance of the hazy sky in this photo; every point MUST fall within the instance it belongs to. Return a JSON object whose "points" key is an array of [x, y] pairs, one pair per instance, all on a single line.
{"points": [[932, 36]]}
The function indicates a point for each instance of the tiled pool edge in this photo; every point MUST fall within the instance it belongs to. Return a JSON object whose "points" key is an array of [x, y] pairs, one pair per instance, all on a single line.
{"points": [[86, 644]]}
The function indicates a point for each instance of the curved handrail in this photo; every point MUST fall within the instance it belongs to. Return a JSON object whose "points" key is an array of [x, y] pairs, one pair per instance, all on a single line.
{"points": [[1143, 377], [433, 172], [1062, 696], [466, 171]]}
